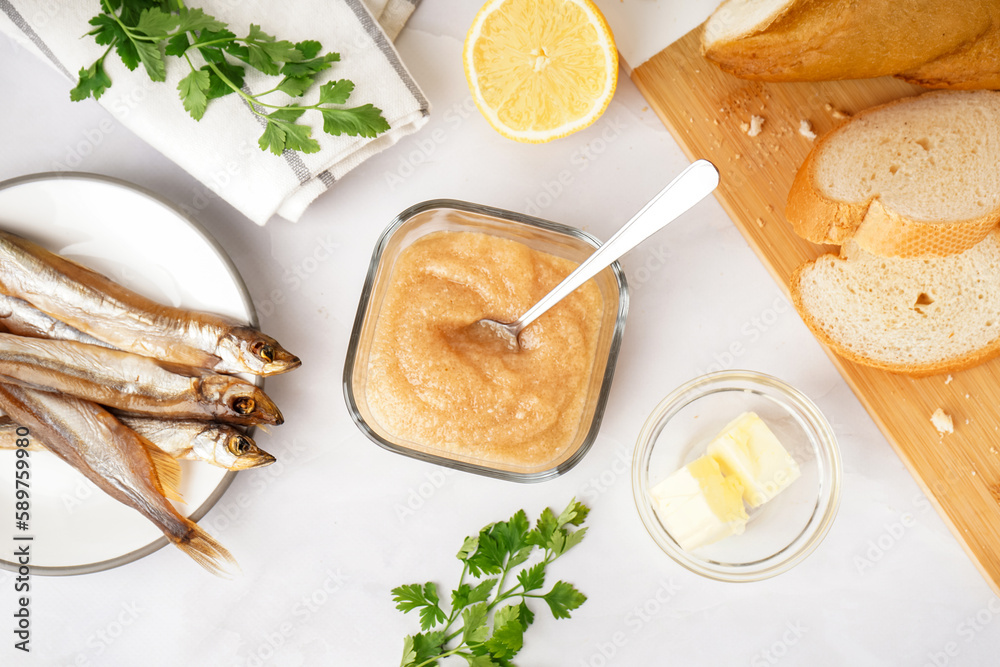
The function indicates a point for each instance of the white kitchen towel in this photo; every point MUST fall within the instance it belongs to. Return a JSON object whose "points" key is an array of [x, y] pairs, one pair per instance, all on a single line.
{"points": [[391, 14], [221, 149]]}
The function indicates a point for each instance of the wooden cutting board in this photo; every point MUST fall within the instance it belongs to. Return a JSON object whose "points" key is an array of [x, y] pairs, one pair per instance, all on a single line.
{"points": [[708, 112]]}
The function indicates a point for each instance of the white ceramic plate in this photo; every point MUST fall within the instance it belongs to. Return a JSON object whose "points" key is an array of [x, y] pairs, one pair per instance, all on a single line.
{"points": [[149, 246]]}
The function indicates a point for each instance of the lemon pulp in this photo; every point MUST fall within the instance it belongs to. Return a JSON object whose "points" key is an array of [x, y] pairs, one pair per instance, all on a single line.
{"points": [[540, 69]]}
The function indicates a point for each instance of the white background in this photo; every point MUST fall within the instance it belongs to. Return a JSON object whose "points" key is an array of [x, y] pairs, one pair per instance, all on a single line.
{"points": [[323, 535]]}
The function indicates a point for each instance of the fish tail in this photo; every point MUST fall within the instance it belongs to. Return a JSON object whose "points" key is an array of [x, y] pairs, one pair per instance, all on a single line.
{"points": [[208, 553]]}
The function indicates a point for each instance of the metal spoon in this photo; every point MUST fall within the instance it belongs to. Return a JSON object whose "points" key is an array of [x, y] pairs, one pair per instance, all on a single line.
{"points": [[690, 187]]}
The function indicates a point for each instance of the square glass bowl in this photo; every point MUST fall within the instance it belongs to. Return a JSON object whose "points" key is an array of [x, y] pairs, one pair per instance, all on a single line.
{"points": [[781, 532], [553, 238]]}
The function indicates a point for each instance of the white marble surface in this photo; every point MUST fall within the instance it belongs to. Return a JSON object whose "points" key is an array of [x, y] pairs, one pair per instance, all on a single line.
{"points": [[324, 535], [643, 29]]}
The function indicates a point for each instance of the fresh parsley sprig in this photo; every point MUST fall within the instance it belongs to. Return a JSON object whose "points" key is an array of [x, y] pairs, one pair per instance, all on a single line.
{"points": [[489, 561], [146, 32]]}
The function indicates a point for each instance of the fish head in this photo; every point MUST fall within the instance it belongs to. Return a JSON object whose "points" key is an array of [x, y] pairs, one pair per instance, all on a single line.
{"points": [[246, 453], [237, 401], [257, 353], [228, 448]]}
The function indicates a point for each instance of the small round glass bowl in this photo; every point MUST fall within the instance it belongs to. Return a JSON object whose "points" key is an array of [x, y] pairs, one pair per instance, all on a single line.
{"points": [[781, 532]]}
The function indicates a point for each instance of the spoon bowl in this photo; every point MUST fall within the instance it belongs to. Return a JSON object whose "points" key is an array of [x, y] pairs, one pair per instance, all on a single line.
{"points": [[690, 187]]}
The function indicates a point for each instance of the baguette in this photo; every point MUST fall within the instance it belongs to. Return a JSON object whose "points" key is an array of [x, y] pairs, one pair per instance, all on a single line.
{"points": [[917, 177], [976, 65], [912, 316], [822, 40]]}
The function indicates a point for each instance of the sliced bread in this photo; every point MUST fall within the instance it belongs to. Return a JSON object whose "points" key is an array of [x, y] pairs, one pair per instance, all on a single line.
{"points": [[917, 177], [912, 316], [976, 65], [820, 40]]}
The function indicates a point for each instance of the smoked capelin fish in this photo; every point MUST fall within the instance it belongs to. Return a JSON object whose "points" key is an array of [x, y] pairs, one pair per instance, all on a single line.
{"points": [[221, 445], [100, 307], [117, 460], [132, 383]]}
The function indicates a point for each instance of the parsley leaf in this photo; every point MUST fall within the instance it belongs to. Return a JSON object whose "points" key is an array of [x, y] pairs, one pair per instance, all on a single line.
{"points": [[127, 51], [299, 138], [563, 598], [157, 23], [152, 60], [525, 615], [469, 547], [132, 9], [295, 86], [193, 89], [273, 138], [533, 578], [92, 81], [335, 92], [217, 87], [421, 647], [482, 592], [424, 598], [277, 50], [475, 630], [177, 45], [508, 633], [106, 30], [363, 121], [465, 594], [409, 653], [190, 20], [310, 66], [309, 48]]}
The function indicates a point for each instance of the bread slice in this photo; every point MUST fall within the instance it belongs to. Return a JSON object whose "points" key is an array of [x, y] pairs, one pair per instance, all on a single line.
{"points": [[974, 66], [912, 316], [821, 40], [917, 177]]}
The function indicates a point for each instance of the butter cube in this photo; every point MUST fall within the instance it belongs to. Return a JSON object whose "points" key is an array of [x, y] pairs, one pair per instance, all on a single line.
{"points": [[748, 451], [698, 506]]}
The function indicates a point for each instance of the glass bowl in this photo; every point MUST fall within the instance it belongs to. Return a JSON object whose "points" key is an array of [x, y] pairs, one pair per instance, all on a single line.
{"points": [[781, 532], [560, 240]]}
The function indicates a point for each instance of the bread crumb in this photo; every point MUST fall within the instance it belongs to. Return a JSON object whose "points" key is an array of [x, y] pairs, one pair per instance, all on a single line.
{"points": [[753, 128], [835, 112], [948, 380], [942, 422], [806, 130], [760, 222]]}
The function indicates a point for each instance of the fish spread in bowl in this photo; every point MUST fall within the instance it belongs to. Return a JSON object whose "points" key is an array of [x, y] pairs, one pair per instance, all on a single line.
{"points": [[423, 380]]}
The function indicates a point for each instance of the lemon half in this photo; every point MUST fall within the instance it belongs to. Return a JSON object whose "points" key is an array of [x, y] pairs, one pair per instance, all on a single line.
{"points": [[540, 69]]}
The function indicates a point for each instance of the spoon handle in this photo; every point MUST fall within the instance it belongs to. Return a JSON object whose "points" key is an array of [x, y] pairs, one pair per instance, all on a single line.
{"points": [[690, 187]]}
